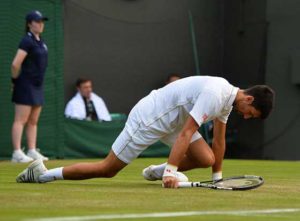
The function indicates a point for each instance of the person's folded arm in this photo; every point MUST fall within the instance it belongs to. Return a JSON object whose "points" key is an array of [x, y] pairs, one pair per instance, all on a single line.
{"points": [[17, 62]]}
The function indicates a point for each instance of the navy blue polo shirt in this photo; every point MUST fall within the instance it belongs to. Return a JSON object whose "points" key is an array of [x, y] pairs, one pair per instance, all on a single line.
{"points": [[35, 63], [28, 87]]}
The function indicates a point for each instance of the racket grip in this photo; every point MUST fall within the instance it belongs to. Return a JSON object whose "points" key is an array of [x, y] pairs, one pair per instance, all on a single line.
{"points": [[185, 184]]}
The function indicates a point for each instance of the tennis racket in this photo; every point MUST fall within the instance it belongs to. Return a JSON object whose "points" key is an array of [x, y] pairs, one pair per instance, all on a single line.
{"points": [[245, 182]]}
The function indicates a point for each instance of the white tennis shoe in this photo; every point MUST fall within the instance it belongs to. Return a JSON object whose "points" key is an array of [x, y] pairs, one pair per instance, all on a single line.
{"points": [[150, 174], [19, 156], [36, 155], [32, 172]]}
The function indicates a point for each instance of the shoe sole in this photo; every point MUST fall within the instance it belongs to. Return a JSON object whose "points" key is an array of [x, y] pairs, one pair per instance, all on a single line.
{"points": [[18, 161], [40, 158]]}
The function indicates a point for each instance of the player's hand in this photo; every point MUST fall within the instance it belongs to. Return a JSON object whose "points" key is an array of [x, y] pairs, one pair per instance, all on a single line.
{"points": [[170, 182]]}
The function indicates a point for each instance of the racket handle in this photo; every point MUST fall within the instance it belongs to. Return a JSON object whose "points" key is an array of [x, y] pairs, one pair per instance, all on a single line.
{"points": [[185, 184], [182, 185]]}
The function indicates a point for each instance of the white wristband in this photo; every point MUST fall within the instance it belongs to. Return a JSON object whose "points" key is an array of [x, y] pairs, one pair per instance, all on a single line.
{"points": [[170, 170], [217, 176]]}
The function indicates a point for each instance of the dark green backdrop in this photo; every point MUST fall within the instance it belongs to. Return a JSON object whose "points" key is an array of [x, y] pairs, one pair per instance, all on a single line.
{"points": [[135, 44], [94, 139]]}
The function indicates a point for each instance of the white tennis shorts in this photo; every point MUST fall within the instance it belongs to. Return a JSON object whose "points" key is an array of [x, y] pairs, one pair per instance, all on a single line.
{"points": [[136, 137]]}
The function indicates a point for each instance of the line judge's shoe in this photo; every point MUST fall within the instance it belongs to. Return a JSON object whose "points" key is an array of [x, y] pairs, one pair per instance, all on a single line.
{"points": [[19, 156], [36, 155], [149, 174], [32, 172]]}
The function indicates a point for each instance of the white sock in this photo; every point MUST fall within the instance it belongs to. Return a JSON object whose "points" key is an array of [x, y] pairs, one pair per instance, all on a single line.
{"points": [[31, 150], [18, 151], [159, 169], [52, 175]]}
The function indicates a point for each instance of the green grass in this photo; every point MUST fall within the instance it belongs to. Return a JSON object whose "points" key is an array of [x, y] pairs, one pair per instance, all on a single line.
{"points": [[129, 193]]}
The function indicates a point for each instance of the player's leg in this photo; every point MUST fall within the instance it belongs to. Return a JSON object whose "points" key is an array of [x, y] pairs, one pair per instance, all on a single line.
{"points": [[37, 172], [106, 168], [198, 155], [124, 150], [133, 140], [122, 153]]}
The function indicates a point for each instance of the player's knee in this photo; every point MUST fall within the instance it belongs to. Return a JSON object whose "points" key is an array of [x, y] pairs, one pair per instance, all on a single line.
{"points": [[106, 170], [109, 167], [209, 161]]}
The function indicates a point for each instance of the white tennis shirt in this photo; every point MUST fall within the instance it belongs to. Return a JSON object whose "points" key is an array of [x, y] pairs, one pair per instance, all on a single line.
{"points": [[203, 97]]}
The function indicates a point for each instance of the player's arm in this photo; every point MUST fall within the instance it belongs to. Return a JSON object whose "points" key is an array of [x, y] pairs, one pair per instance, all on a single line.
{"points": [[178, 151], [218, 147], [17, 62]]}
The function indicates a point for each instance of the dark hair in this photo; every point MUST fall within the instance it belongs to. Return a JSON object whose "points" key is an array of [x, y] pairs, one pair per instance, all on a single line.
{"points": [[81, 81], [263, 99], [26, 27], [170, 75]]}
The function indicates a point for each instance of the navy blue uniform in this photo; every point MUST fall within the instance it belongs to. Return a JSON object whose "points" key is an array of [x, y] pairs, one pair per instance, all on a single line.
{"points": [[28, 87]]}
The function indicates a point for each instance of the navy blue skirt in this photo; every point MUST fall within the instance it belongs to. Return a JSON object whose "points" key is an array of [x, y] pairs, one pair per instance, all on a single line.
{"points": [[28, 92]]}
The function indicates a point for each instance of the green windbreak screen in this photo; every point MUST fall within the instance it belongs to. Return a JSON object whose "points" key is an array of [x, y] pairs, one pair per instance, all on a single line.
{"points": [[94, 139], [12, 25]]}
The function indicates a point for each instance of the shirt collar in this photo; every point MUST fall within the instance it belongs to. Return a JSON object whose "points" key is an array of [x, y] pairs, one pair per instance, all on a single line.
{"points": [[33, 36], [84, 98], [232, 97]]}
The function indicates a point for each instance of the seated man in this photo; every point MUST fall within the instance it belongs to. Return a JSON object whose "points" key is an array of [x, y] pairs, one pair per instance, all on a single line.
{"points": [[86, 105]]}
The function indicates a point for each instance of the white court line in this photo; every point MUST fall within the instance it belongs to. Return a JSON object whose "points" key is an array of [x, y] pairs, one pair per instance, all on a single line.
{"points": [[166, 214]]}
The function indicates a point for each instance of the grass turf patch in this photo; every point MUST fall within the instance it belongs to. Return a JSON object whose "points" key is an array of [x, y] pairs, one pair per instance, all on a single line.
{"points": [[128, 192]]}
